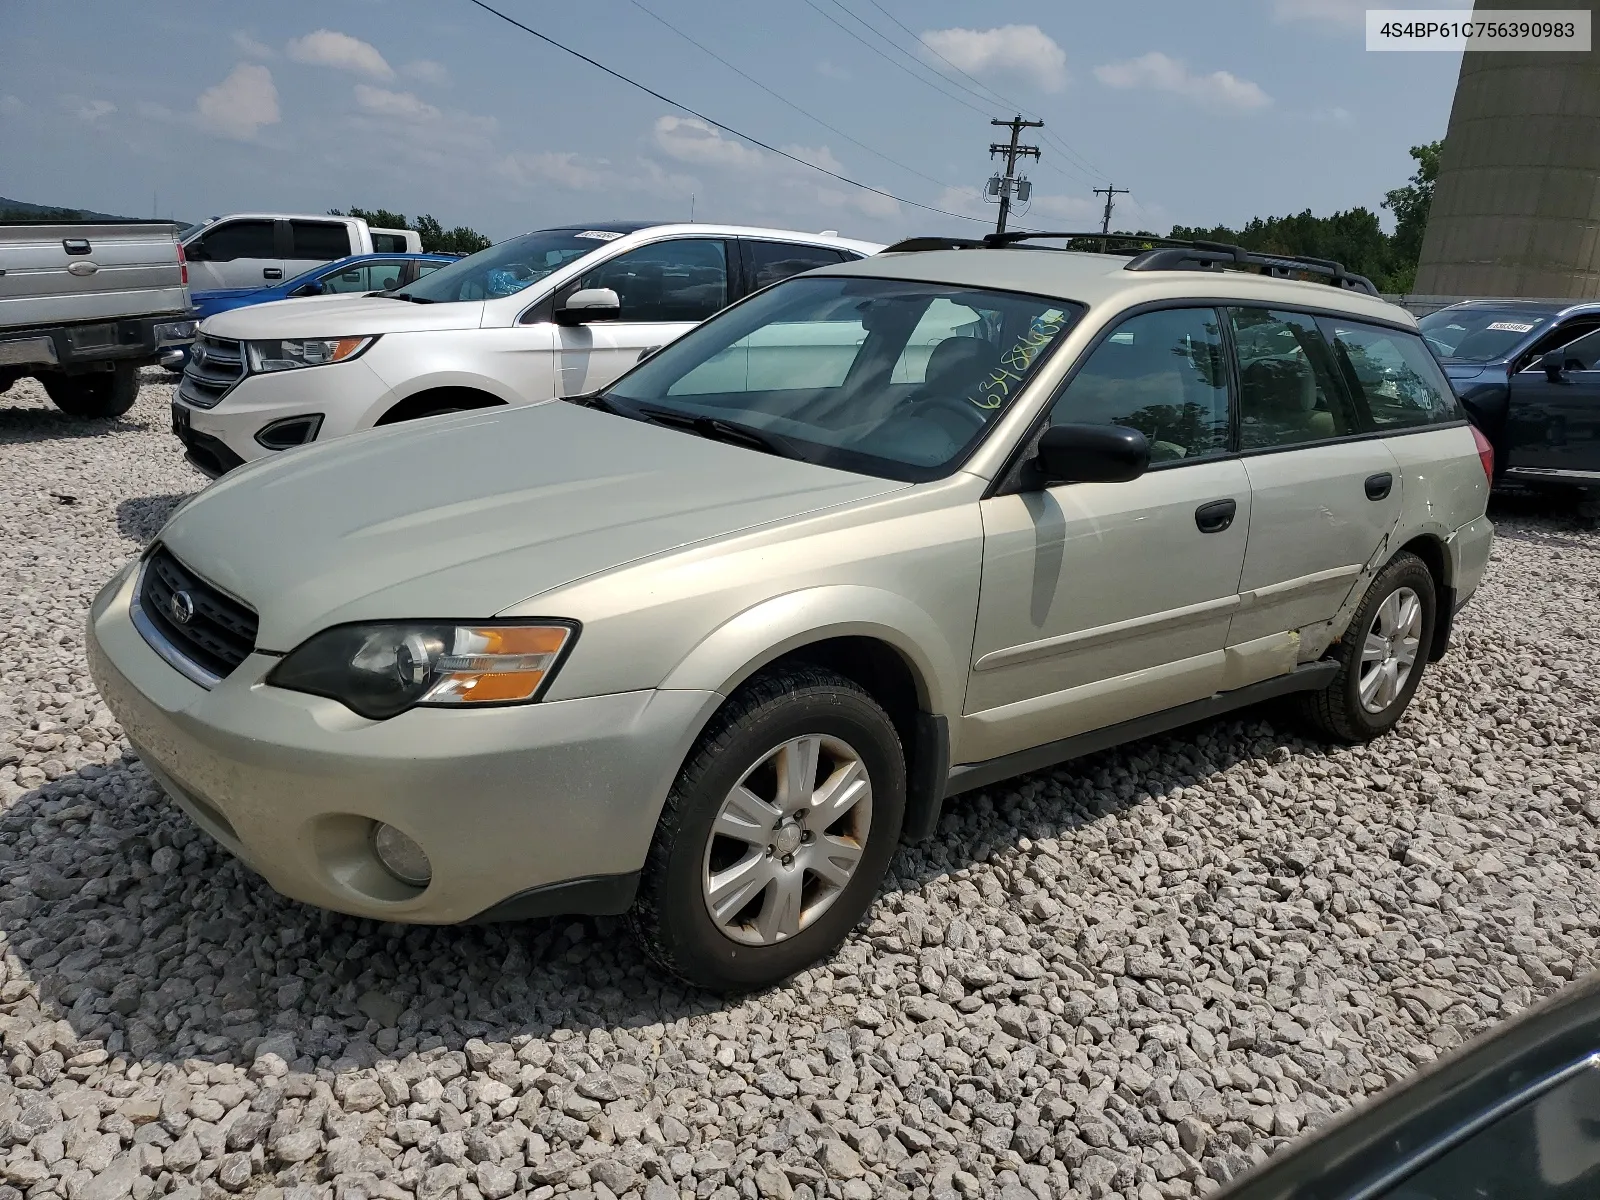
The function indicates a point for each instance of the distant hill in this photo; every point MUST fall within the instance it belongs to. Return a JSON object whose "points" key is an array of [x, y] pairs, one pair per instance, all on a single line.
{"points": [[22, 210]]}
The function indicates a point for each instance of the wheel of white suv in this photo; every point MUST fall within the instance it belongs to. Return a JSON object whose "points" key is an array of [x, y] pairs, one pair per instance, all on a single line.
{"points": [[776, 834], [1381, 656]]}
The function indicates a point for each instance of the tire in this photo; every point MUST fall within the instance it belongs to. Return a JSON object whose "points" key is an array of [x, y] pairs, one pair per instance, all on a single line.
{"points": [[797, 916], [1340, 710], [97, 395]]}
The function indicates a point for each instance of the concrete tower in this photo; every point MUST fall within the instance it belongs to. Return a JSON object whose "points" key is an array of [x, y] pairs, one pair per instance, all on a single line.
{"points": [[1516, 209]]}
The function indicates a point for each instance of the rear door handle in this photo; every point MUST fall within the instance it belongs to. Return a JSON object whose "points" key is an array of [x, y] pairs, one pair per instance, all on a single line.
{"points": [[1378, 485], [1215, 516], [272, 272]]}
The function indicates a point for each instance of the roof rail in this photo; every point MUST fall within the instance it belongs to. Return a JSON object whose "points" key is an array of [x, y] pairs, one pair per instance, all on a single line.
{"points": [[1165, 254]]}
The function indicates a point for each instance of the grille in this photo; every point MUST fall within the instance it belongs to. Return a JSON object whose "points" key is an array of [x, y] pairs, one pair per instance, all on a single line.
{"points": [[215, 365], [218, 635]]}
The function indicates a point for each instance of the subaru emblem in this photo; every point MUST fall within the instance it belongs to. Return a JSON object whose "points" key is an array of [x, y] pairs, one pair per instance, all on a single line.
{"points": [[182, 608]]}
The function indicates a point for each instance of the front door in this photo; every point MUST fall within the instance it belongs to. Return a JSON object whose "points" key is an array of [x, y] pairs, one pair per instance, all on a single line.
{"points": [[1323, 497], [1104, 602], [666, 289], [1555, 422]]}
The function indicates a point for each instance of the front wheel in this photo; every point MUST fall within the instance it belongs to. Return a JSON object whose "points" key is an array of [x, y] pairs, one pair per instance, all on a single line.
{"points": [[776, 834], [1381, 656], [97, 395]]}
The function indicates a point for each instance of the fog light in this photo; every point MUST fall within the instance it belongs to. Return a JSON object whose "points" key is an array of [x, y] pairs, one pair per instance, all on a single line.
{"points": [[290, 431], [401, 856]]}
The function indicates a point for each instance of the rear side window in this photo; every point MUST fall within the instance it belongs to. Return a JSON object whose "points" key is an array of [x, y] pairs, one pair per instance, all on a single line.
{"points": [[1162, 373], [319, 239], [1393, 376], [240, 239], [772, 261], [389, 243], [1289, 390]]}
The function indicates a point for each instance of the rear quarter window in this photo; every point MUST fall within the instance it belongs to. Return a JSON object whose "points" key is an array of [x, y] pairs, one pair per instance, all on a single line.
{"points": [[1393, 376]]}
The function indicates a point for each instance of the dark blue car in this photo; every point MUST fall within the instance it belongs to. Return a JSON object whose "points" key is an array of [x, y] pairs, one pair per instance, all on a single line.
{"points": [[358, 274], [1528, 373]]}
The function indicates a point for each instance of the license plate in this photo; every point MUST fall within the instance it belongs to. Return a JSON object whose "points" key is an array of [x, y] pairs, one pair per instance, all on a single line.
{"points": [[180, 420]]}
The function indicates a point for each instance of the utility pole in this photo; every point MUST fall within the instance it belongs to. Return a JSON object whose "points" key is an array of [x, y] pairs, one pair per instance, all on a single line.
{"points": [[1011, 185], [1109, 193]]}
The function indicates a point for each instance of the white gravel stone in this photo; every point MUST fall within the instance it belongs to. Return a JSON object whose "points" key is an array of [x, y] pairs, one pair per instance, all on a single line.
{"points": [[1131, 976]]}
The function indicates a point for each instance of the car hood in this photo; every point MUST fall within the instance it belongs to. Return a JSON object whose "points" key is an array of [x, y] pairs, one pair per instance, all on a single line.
{"points": [[342, 316], [466, 515]]}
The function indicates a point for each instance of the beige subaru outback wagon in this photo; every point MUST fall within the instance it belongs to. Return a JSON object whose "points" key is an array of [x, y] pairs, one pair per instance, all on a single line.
{"points": [[702, 647]]}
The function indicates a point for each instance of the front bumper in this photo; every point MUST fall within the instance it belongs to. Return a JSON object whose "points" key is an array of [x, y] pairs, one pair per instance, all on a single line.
{"points": [[509, 804]]}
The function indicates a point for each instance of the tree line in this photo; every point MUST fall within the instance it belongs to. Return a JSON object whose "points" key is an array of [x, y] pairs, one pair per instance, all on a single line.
{"points": [[436, 239]]}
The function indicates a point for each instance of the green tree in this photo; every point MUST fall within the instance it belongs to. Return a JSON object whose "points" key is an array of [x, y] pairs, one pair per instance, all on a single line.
{"points": [[436, 239], [1410, 205]]}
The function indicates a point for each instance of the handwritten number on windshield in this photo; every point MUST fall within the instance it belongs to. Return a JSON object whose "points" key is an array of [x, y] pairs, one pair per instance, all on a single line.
{"points": [[1014, 364]]}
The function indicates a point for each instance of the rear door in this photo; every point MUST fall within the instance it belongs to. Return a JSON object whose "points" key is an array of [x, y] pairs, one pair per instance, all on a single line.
{"points": [[666, 289], [313, 242], [1324, 492], [766, 262], [235, 254]]}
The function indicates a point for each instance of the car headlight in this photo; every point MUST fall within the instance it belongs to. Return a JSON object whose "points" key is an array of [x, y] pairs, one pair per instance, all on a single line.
{"points": [[381, 669], [288, 353]]}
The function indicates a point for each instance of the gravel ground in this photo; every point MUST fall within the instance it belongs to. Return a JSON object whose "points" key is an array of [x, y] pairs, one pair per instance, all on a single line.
{"points": [[1132, 977]]}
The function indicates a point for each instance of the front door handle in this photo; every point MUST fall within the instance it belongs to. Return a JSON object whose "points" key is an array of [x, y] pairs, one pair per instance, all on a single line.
{"points": [[1378, 485], [272, 272], [1215, 516]]}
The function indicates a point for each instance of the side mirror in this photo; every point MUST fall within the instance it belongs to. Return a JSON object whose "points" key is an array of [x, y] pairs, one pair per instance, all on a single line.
{"points": [[1091, 454], [391, 283], [1554, 365], [308, 289], [589, 304]]}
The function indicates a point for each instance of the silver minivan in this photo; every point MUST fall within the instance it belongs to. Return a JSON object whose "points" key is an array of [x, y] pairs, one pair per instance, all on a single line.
{"points": [[705, 645]]}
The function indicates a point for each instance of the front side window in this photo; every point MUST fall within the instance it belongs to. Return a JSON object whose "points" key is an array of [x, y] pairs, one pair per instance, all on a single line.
{"points": [[880, 376], [1393, 374], [772, 261], [239, 239], [685, 280], [1163, 373], [507, 267], [1289, 392], [351, 279], [319, 239]]}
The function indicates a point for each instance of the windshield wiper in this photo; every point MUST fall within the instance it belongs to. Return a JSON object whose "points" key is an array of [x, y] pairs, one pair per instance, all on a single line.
{"points": [[719, 430], [408, 296], [599, 400]]}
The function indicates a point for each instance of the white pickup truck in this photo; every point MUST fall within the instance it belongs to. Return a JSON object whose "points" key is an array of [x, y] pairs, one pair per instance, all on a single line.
{"points": [[84, 306], [251, 250]]}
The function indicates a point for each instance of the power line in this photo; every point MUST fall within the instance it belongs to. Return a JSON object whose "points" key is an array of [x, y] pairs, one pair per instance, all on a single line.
{"points": [[1050, 139], [785, 100], [795, 158], [827, 16]]}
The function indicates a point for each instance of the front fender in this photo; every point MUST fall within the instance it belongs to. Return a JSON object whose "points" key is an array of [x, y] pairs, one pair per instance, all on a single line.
{"points": [[744, 644]]}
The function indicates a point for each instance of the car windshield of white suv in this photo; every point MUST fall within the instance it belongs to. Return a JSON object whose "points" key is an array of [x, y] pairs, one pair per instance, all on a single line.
{"points": [[879, 376], [1478, 334], [506, 267]]}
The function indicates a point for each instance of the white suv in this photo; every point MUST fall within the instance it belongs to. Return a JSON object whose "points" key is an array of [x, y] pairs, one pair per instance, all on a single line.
{"points": [[559, 312]]}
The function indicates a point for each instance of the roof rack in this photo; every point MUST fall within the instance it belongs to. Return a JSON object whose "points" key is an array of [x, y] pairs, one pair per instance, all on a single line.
{"points": [[1162, 254]]}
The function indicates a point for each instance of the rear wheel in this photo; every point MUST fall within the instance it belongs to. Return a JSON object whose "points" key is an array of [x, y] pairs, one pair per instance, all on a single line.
{"points": [[776, 835], [1381, 656], [98, 394]]}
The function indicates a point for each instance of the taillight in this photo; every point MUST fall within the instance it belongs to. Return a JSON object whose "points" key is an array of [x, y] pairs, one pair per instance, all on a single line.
{"points": [[183, 266], [1485, 453]]}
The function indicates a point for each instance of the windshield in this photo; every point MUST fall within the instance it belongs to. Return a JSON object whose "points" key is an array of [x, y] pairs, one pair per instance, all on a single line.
{"points": [[878, 376], [509, 266], [1479, 334]]}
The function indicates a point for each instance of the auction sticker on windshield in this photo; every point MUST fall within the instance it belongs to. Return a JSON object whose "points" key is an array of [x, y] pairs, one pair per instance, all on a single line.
{"points": [[1511, 326], [599, 235]]}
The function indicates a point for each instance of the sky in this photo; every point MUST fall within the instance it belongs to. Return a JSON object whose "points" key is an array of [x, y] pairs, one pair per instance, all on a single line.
{"points": [[1208, 114]]}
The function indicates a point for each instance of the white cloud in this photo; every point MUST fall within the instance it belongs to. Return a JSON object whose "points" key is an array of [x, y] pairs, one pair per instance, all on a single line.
{"points": [[328, 48], [817, 156], [250, 46], [1070, 209], [241, 104], [10, 106], [561, 168], [1014, 49], [427, 71], [93, 110], [1159, 72], [384, 103], [693, 141], [1350, 14]]}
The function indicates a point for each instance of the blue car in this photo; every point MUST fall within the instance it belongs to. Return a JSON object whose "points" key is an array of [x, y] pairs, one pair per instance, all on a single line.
{"points": [[357, 274]]}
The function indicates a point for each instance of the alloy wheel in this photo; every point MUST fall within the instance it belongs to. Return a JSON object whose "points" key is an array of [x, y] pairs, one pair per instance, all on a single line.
{"points": [[1390, 650]]}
